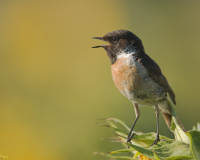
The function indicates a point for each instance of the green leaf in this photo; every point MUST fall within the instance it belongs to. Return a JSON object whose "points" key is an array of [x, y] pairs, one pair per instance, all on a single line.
{"points": [[171, 150], [120, 157], [185, 147], [195, 143], [136, 155], [156, 156], [144, 151], [168, 149], [126, 126], [122, 150], [114, 157], [145, 139], [140, 139], [178, 130], [196, 128]]}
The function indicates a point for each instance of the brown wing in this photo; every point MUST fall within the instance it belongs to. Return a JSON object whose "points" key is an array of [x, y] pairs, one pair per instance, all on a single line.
{"points": [[155, 72]]}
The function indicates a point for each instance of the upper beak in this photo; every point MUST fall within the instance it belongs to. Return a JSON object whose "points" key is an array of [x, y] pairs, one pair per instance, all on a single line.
{"points": [[100, 38]]}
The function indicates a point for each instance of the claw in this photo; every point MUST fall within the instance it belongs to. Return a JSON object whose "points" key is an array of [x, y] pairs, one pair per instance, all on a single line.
{"points": [[155, 141], [130, 138]]}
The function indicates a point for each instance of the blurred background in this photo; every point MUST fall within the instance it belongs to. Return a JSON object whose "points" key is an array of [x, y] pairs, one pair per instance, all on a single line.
{"points": [[53, 85]]}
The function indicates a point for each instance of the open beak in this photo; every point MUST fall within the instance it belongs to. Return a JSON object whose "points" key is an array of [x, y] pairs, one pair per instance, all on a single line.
{"points": [[100, 38]]}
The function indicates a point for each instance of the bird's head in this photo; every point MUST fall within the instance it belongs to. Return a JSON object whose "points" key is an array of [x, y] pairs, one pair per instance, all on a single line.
{"points": [[118, 40]]}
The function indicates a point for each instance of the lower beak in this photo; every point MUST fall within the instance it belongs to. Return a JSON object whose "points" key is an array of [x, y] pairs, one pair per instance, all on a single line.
{"points": [[100, 38], [99, 46]]}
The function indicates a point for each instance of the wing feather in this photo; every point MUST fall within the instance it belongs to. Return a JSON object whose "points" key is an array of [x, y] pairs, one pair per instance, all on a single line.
{"points": [[155, 72]]}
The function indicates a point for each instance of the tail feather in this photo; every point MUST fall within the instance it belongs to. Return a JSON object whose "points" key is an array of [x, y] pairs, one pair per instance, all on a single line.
{"points": [[172, 97], [168, 119], [172, 120], [166, 112]]}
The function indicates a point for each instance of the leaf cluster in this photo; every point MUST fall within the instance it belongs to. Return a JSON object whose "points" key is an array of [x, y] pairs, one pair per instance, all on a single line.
{"points": [[185, 146]]}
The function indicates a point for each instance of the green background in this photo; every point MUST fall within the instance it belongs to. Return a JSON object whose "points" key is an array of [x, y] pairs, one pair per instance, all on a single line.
{"points": [[53, 85]]}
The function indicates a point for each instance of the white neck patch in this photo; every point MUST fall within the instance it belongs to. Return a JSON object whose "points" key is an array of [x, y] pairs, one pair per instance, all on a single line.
{"points": [[127, 52], [124, 55]]}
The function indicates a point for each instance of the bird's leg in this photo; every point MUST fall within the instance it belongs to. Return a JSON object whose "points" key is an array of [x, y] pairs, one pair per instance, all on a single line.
{"points": [[137, 113], [157, 119]]}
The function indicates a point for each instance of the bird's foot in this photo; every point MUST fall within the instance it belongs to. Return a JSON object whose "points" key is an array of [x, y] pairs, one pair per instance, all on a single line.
{"points": [[130, 138], [155, 141]]}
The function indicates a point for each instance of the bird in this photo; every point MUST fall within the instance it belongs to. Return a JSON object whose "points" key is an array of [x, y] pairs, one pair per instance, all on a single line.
{"points": [[137, 76]]}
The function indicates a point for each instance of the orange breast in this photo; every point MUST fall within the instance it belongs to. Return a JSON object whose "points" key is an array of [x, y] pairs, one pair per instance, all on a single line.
{"points": [[125, 76], [133, 81]]}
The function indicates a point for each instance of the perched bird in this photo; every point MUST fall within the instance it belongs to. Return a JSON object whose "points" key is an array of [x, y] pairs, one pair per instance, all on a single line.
{"points": [[137, 76]]}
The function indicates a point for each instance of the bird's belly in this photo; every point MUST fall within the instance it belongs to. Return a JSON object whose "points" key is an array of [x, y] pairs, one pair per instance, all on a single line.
{"points": [[134, 82]]}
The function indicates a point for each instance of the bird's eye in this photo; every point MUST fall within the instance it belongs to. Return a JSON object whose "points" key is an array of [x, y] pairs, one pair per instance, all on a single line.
{"points": [[114, 39]]}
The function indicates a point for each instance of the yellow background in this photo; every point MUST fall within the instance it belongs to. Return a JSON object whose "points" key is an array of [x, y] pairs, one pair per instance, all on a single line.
{"points": [[53, 85]]}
